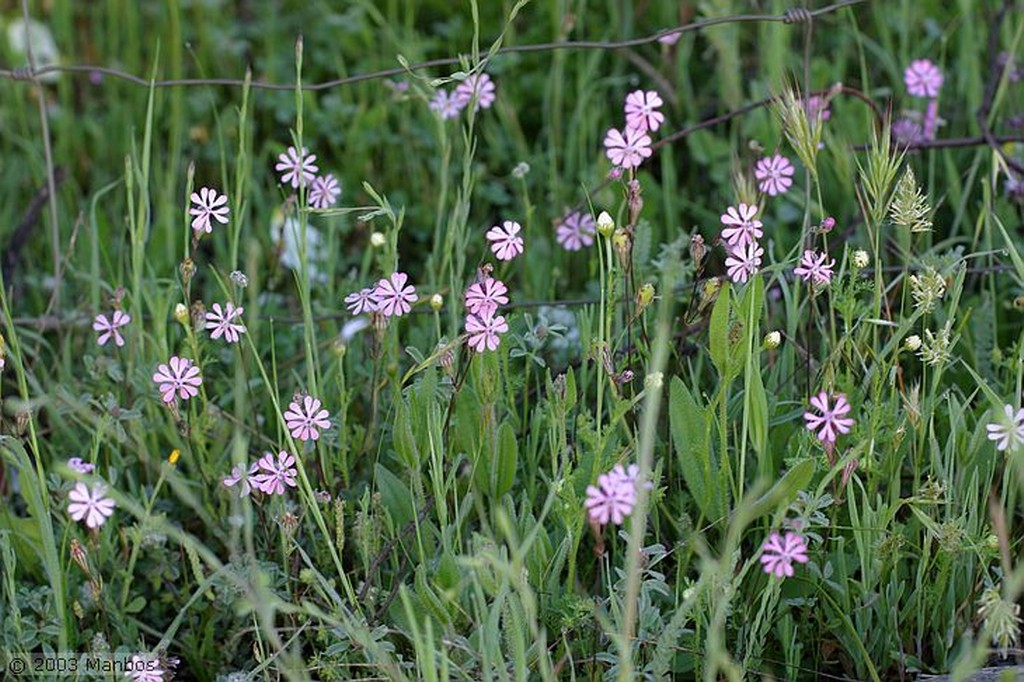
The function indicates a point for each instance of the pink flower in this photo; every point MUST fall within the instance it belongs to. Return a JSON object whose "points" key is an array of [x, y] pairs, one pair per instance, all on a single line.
{"points": [[181, 378], [779, 553], [90, 505], [361, 301], [393, 297], [484, 297], [831, 421], [575, 231], [742, 228], [774, 174], [612, 500], [814, 269], [304, 421], [296, 169], [208, 204], [484, 331], [109, 327], [82, 467], [220, 322], [275, 473], [627, 149], [479, 85], [743, 262], [630, 475], [445, 105], [671, 38], [324, 191], [642, 111], [817, 108], [907, 131], [1010, 433], [240, 475], [505, 240], [923, 78]]}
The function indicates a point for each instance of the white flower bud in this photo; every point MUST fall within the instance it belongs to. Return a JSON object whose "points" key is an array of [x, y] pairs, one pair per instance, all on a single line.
{"points": [[912, 343], [860, 259], [772, 339], [605, 224], [377, 240]]}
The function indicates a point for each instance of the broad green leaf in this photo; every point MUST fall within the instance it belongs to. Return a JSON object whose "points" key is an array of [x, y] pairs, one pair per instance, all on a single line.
{"points": [[718, 337], [784, 491], [396, 497], [403, 440], [508, 460], [688, 423]]}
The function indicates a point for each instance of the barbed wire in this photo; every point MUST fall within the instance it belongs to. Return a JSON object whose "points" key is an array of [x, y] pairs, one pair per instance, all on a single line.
{"points": [[791, 16]]}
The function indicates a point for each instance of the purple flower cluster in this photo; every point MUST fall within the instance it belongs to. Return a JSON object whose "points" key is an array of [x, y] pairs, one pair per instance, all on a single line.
{"points": [[477, 89]]}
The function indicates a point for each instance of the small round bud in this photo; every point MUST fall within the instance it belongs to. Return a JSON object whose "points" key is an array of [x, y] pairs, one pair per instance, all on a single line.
{"points": [[181, 314], [827, 224], [772, 339], [377, 240], [605, 224], [654, 380], [688, 593], [645, 295], [992, 542], [912, 343], [239, 278], [860, 259], [436, 302], [521, 170], [173, 458]]}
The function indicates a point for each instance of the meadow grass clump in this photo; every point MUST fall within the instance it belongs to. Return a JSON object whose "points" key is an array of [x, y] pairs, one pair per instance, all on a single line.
{"points": [[594, 341]]}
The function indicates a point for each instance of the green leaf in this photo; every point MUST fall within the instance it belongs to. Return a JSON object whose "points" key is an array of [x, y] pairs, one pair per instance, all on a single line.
{"points": [[688, 423], [395, 495], [404, 442], [508, 460], [784, 491], [135, 605], [718, 336], [758, 410]]}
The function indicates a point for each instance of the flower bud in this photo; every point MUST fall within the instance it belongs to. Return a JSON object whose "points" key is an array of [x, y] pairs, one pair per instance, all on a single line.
{"points": [[173, 458], [698, 249], [772, 339], [239, 278], [912, 343], [605, 224], [181, 314], [521, 170], [436, 302], [826, 225], [377, 240], [645, 295], [860, 259]]}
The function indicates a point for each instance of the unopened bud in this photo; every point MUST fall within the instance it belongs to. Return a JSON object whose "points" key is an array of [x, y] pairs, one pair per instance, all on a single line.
{"points": [[772, 339], [377, 240], [436, 302], [79, 555], [912, 343], [181, 314], [645, 296], [698, 249], [173, 458], [826, 225], [605, 224]]}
